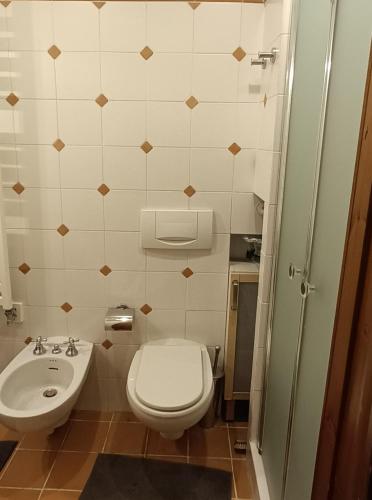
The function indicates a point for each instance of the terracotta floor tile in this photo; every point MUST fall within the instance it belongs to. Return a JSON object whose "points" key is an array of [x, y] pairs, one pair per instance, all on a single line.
{"points": [[85, 436], [8, 494], [215, 463], [41, 440], [237, 434], [157, 445], [126, 438], [124, 416], [28, 469], [71, 470], [242, 479], [103, 416], [9, 435], [236, 423], [209, 443], [60, 495], [182, 460]]}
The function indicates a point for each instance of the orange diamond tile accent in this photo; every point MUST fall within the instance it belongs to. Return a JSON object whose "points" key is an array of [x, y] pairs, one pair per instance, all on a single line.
{"points": [[194, 5], [28, 340], [103, 189], [234, 148], [187, 272], [63, 230], [24, 268], [5, 3], [101, 100], [18, 188], [58, 144], [192, 102], [146, 53], [146, 147], [265, 100], [189, 191], [107, 344], [239, 54], [99, 5], [54, 51], [105, 270], [66, 307], [146, 309], [12, 99]]}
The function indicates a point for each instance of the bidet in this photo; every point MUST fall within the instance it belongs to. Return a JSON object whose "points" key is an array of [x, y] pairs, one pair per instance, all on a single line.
{"points": [[39, 392]]}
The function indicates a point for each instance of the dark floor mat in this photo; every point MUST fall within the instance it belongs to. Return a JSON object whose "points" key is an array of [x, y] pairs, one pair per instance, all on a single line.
{"points": [[118, 477], [6, 449]]}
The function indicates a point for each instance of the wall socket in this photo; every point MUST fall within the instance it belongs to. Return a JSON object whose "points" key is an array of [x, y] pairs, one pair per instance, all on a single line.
{"points": [[17, 315]]}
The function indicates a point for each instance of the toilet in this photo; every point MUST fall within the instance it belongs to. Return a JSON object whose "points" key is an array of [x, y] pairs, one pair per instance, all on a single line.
{"points": [[170, 385], [38, 392]]}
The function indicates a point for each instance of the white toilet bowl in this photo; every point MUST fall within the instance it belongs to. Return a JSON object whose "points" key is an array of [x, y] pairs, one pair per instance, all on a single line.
{"points": [[170, 385], [25, 403]]}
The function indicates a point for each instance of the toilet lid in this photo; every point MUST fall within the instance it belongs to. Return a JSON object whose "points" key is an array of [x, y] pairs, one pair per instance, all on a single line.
{"points": [[170, 378]]}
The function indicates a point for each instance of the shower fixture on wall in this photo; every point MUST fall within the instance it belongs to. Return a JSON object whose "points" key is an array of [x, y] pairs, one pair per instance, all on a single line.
{"points": [[263, 57]]}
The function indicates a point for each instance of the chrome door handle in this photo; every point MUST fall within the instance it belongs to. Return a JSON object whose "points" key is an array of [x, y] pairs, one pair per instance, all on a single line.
{"points": [[293, 271], [235, 295], [306, 288]]}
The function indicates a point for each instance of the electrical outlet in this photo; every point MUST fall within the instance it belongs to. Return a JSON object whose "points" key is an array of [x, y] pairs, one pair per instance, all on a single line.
{"points": [[19, 311]]}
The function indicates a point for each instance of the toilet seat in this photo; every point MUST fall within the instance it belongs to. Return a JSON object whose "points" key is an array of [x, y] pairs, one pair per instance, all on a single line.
{"points": [[170, 378]]}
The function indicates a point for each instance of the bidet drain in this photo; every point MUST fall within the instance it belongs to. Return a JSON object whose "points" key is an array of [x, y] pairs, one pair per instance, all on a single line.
{"points": [[49, 393]]}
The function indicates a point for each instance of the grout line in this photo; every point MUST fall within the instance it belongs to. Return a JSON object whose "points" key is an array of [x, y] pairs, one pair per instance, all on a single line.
{"points": [[146, 442], [108, 431], [232, 463]]}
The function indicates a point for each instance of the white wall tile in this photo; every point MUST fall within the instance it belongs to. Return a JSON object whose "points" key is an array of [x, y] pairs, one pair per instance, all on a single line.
{"points": [[168, 124], [41, 208], [81, 167], [33, 75], [214, 125], [215, 77], [15, 240], [268, 229], [82, 209], [274, 77], [244, 171], [47, 321], [271, 128], [215, 260], [123, 26], [122, 210], [244, 216], [13, 210], [169, 77], [249, 120], [79, 122], [166, 260], [46, 287], [251, 81], [265, 277], [124, 123], [162, 324], [35, 121], [43, 249], [124, 76], [124, 167], [123, 251], [166, 290], [87, 323], [258, 368], [266, 176], [38, 166], [30, 24], [19, 286], [217, 27], [126, 287], [76, 26], [168, 168], [211, 169], [85, 288], [8, 164], [166, 199], [207, 292], [221, 205], [8, 122], [84, 249], [169, 26], [253, 17], [206, 327], [78, 75], [261, 323]]}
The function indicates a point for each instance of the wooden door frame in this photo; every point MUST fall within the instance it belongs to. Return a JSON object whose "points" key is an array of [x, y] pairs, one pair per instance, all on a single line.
{"points": [[348, 304]]}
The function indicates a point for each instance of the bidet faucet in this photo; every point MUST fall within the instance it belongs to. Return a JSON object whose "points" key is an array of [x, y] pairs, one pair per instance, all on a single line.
{"points": [[39, 348], [71, 348]]}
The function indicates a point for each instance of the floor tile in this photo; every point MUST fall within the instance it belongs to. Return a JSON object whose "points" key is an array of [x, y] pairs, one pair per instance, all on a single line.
{"points": [[103, 416], [209, 443], [41, 440], [237, 434], [9, 435], [157, 445], [182, 460], [60, 495], [126, 438], [85, 436], [8, 494], [242, 480], [237, 423], [28, 469], [71, 470], [124, 416]]}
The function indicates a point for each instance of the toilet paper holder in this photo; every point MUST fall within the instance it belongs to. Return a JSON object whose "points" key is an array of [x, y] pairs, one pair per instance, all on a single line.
{"points": [[120, 318]]}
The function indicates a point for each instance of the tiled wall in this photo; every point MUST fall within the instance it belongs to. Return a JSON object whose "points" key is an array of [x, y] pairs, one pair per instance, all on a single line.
{"points": [[109, 107]]}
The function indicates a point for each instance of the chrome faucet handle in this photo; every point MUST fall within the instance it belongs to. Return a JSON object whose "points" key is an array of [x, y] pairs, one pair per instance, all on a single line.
{"points": [[39, 347], [71, 348], [56, 349]]}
